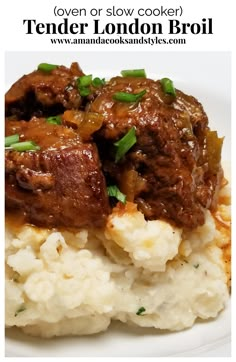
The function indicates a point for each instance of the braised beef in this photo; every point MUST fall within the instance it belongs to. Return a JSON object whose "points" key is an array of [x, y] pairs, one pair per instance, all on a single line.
{"points": [[173, 172], [174, 177], [60, 185], [43, 93]]}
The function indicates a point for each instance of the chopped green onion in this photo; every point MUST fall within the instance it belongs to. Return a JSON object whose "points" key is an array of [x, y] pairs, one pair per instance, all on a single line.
{"points": [[11, 139], [98, 82], [54, 120], [133, 73], [113, 191], [141, 311], [84, 81], [84, 92], [128, 97], [196, 266], [125, 143], [46, 67], [19, 310], [24, 146], [167, 86]]}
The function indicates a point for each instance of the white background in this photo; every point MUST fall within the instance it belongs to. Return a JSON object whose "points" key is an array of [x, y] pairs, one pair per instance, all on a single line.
{"points": [[13, 39], [193, 11]]}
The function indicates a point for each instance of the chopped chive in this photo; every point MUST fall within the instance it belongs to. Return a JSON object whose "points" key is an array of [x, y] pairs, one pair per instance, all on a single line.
{"points": [[196, 266], [113, 191], [125, 143], [98, 82], [54, 120], [84, 92], [128, 97], [24, 146], [141, 311], [133, 73], [19, 310], [84, 81], [46, 67], [9, 140], [168, 86]]}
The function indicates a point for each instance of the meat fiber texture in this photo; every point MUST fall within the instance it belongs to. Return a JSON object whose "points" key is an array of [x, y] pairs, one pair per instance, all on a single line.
{"points": [[60, 185], [64, 283]]}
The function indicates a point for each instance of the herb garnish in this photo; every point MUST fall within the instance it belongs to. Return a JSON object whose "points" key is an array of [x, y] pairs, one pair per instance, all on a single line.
{"points": [[113, 191], [125, 143], [141, 311], [20, 309]]}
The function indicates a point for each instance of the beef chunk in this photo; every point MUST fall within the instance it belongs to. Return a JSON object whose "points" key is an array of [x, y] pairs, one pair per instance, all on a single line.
{"points": [[43, 93], [60, 185], [170, 163]]}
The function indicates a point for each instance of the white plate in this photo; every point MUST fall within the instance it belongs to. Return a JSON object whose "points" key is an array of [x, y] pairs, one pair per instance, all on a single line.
{"points": [[207, 76]]}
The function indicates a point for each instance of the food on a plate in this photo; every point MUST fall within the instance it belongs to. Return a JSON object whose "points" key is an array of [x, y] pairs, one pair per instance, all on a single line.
{"points": [[117, 206]]}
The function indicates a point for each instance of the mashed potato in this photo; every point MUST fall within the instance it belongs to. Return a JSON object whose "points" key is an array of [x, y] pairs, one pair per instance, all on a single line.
{"points": [[149, 244], [147, 273]]}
